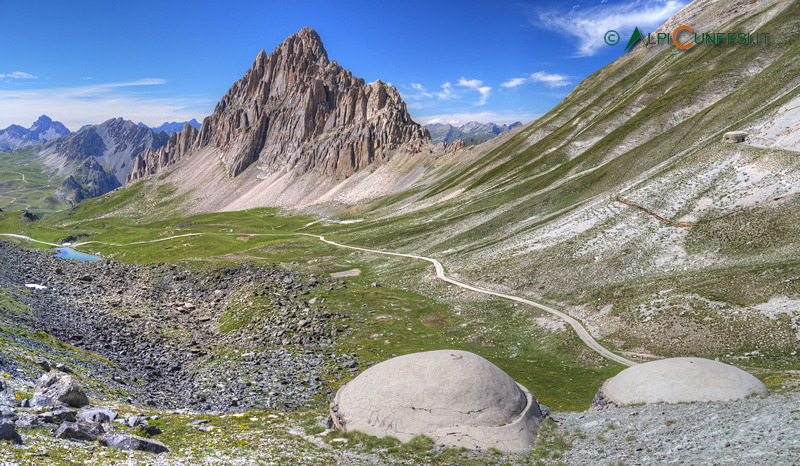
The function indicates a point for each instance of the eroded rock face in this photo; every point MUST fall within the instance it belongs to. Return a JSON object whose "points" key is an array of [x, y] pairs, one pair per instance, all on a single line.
{"points": [[295, 109], [457, 398], [680, 380]]}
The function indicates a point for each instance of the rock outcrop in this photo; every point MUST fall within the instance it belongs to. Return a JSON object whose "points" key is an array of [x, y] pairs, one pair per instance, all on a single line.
{"points": [[55, 388], [80, 430], [94, 181], [122, 441], [295, 109]]}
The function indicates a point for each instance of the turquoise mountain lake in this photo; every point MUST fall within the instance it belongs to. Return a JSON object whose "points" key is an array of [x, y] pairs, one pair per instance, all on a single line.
{"points": [[67, 253]]}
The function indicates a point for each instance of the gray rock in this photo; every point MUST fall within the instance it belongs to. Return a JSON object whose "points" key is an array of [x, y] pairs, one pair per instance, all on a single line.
{"points": [[57, 416], [198, 422], [97, 414], [8, 431], [7, 395], [26, 420], [123, 441], [135, 420], [81, 430], [55, 388]]}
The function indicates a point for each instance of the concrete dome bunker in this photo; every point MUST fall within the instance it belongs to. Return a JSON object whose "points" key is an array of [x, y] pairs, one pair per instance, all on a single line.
{"points": [[680, 380], [456, 398]]}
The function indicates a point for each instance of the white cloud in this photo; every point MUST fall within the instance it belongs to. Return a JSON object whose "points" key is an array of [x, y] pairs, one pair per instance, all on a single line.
{"points": [[17, 75], [477, 85], [482, 117], [514, 82], [416, 92], [589, 25], [447, 92], [95, 103], [548, 79], [470, 83], [420, 89]]}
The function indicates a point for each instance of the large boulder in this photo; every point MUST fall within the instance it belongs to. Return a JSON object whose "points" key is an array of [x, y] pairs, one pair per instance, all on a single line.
{"points": [[456, 398], [54, 388], [679, 380], [57, 416], [81, 430], [123, 441], [8, 431]]}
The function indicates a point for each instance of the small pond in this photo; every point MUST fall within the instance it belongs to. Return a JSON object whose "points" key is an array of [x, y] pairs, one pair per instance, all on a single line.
{"points": [[67, 253]]}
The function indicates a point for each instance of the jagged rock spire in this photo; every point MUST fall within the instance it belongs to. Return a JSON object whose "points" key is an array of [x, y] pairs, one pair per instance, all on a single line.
{"points": [[295, 109]]}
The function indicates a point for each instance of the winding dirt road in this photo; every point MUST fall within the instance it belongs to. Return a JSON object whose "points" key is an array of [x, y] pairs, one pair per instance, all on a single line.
{"points": [[30, 239], [580, 330]]}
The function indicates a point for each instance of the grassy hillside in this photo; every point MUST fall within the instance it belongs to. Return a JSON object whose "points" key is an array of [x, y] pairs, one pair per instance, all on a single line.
{"points": [[23, 185], [541, 213]]}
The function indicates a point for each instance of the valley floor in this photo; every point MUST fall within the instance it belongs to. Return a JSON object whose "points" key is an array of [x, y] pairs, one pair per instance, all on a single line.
{"points": [[202, 328]]}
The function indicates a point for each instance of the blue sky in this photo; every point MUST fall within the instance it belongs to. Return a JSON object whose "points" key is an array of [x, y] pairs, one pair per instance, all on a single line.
{"points": [[83, 62]]}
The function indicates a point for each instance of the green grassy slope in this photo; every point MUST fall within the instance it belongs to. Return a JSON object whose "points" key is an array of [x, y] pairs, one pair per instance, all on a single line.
{"points": [[23, 185], [539, 215]]}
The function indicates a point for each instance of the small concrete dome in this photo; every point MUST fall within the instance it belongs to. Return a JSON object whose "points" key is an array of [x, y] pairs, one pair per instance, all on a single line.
{"points": [[677, 380], [456, 398]]}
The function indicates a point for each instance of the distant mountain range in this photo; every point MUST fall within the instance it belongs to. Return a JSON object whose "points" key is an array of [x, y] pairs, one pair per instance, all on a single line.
{"points": [[92, 161], [44, 129], [470, 133], [97, 159], [173, 126], [77, 166]]}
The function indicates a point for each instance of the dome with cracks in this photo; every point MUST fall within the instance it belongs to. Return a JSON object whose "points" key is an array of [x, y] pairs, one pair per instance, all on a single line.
{"points": [[456, 398]]}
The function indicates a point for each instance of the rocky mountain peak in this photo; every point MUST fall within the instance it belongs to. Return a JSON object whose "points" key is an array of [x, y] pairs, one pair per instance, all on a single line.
{"points": [[43, 120], [42, 130], [294, 109], [304, 44]]}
